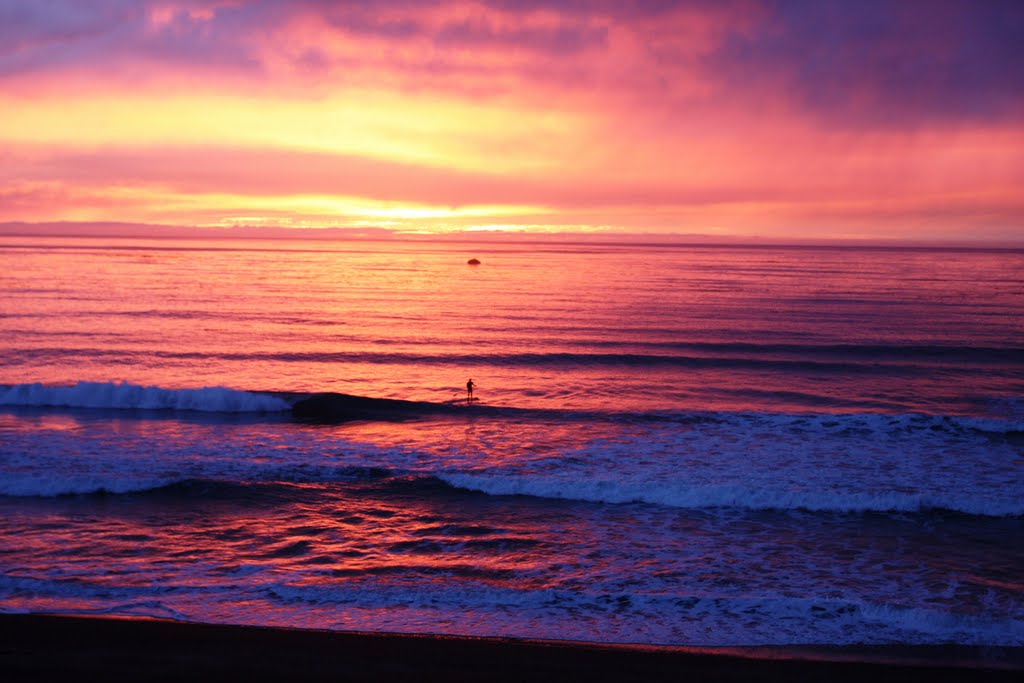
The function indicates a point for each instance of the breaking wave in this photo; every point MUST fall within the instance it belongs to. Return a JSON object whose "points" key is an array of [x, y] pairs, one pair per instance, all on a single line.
{"points": [[119, 395], [288, 484], [678, 495]]}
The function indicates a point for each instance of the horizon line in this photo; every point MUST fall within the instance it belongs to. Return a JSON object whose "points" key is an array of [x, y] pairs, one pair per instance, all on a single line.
{"points": [[128, 229]]}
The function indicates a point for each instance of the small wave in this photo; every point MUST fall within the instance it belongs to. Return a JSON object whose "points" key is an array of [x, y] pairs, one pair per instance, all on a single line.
{"points": [[1005, 414], [271, 482], [717, 620], [37, 486], [460, 598], [723, 496], [44, 485], [662, 358], [120, 395], [595, 359], [877, 422], [1008, 408]]}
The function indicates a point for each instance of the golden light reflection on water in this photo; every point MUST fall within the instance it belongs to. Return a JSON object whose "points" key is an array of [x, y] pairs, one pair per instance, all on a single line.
{"points": [[539, 326], [325, 533], [262, 518], [25, 422]]}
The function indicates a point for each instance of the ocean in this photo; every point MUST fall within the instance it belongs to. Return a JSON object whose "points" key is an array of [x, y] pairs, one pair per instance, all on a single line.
{"points": [[680, 445]]}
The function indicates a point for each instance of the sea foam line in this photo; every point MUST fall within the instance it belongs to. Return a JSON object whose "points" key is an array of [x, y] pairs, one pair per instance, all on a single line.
{"points": [[678, 495], [123, 395]]}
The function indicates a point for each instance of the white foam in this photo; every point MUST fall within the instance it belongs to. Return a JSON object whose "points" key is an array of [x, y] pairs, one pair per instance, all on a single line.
{"points": [[676, 494], [935, 624], [990, 424], [132, 396], [88, 459], [695, 620], [851, 463], [596, 611], [840, 463]]}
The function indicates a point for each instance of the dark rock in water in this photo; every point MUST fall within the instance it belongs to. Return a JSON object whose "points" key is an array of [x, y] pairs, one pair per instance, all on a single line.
{"points": [[473, 262]]}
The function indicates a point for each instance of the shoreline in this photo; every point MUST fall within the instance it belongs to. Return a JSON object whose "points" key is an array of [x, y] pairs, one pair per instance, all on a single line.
{"points": [[48, 647]]}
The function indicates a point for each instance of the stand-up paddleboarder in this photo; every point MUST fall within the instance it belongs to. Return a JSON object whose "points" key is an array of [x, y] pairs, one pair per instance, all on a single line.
{"points": [[469, 391]]}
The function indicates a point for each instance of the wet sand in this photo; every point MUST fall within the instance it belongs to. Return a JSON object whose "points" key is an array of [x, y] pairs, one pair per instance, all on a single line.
{"points": [[61, 648]]}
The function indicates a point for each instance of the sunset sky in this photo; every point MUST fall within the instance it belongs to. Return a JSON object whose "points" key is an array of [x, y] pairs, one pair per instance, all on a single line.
{"points": [[791, 120]]}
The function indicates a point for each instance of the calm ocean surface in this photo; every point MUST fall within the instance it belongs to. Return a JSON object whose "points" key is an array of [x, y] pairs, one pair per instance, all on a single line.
{"points": [[675, 445]]}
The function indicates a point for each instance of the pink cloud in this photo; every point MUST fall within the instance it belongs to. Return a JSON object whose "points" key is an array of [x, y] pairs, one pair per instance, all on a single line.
{"points": [[909, 114]]}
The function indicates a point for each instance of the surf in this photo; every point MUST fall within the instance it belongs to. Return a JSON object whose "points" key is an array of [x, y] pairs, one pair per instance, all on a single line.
{"points": [[126, 396]]}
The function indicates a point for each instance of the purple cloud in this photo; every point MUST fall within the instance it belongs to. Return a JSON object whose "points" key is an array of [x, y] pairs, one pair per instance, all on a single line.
{"points": [[873, 62], [881, 61], [563, 39], [105, 35]]}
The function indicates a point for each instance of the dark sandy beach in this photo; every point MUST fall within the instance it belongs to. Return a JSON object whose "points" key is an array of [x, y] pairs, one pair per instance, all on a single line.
{"points": [[52, 648]]}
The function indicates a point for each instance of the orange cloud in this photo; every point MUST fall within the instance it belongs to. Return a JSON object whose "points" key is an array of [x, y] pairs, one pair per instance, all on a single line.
{"points": [[739, 117]]}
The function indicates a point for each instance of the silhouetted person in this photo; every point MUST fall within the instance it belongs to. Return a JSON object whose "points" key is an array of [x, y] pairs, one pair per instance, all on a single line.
{"points": [[469, 391]]}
